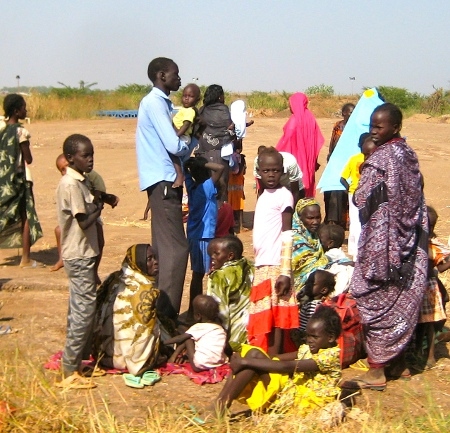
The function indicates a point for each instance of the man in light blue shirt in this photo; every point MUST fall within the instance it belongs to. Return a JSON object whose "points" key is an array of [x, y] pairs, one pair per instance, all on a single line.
{"points": [[155, 139]]}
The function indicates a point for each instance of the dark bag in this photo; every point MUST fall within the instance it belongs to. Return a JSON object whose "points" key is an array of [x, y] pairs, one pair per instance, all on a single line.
{"points": [[351, 340]]}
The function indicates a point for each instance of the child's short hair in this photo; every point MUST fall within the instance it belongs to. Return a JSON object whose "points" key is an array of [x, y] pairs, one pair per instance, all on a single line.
{"points": [[269, 151], [234, 245], [335, 233], [328, 279], [329, 318], [212, 94], [196, 167], [157, 65], [347, 106], [206, 306], [12, 102], [362, 138], [72, 142]]}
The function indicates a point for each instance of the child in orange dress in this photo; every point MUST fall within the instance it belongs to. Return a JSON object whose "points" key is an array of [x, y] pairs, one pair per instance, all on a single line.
{"points": [[433, 311]]}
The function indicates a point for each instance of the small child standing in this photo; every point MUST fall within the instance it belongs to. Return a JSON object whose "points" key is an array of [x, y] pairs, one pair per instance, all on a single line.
{"points": [[272, 303], [352, 173], [236, 196], [229, 283], [77, 216], [205, 341], [332, 237], [319, 285], [300, 381], [201, 180], [432, 311], [183, 123]]}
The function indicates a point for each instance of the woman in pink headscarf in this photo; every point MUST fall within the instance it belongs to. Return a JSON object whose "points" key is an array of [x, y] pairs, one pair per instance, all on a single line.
{"points": [[303, 139]]}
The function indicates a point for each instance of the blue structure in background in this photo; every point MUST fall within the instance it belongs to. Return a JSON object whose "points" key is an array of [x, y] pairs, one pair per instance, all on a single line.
{"points": [[117, 113], [123, 114], [347, 145]]}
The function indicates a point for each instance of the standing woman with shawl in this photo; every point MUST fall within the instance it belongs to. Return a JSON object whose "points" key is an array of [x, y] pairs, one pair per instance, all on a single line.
{"points": [[390, 274], [216, 141], [307, 251], [19, 224], [126, 328], [303, 139]]}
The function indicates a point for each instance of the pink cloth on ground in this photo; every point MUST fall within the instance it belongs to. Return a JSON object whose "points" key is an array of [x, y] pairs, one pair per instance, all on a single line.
{"points": [[213, 375], [54, 363]]}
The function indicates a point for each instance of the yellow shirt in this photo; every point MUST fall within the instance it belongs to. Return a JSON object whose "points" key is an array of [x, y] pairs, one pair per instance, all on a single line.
{"points": [[182, 115], [351, 171]]}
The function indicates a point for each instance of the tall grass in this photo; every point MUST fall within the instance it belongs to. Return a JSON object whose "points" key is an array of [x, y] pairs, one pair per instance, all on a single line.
{"points": [[30, 403], [65, 104]]}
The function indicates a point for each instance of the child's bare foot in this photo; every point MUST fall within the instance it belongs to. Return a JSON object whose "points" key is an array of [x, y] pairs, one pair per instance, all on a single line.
{"points": [[57, 266]]}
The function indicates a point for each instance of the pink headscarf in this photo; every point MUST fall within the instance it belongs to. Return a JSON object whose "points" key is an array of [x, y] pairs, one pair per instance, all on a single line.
{"points": [[303, 139]]}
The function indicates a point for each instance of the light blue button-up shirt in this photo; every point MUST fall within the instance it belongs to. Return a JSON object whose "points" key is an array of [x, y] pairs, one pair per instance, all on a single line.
{"points": [[155, 136]]}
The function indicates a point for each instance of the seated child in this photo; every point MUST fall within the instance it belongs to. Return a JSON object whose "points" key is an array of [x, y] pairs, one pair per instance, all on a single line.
{"points": [[319, 285], [229, 283], [98, 190], [183, 122], [332, 237], [432, 314], [299, 381], [205, 341]]}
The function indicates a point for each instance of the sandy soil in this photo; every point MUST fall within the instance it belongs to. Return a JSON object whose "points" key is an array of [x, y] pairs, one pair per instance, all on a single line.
{"points": [[35, 300]]}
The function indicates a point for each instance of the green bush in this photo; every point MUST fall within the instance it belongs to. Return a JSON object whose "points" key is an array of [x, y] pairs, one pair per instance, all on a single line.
{"points": [[320, 89], [264, 100], [400, 97]]}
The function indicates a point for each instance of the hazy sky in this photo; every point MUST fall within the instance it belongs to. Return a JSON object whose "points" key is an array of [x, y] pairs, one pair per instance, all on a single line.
{"points": [[242, 45]]}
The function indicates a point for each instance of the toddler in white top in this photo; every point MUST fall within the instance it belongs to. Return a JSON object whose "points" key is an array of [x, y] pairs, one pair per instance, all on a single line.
{"points": [[205, 341]]}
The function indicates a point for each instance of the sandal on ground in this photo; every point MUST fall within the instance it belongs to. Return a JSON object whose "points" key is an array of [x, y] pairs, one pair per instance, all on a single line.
{"points": [[150, 377], [132, 381], [32, 265], [92, 371], [75, 381], [360, 365], [5, 330], [363, 384]]}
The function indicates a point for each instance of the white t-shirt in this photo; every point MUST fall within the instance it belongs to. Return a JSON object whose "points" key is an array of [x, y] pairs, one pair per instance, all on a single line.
{"points": [[291, 169], [210, 340], [268, 224]]}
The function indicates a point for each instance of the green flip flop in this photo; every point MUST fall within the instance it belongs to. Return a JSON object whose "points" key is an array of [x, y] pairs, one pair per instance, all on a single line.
{"points": [[132, 381], [150, 377]]}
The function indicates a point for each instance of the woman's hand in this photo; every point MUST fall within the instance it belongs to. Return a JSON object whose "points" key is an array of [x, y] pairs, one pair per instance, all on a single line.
{"points": [[283, 285]]}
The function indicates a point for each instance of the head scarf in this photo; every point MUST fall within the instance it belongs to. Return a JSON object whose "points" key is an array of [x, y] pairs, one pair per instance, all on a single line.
{"points": [[237, 111], [307, 251], [136, 258], [303, 139]]}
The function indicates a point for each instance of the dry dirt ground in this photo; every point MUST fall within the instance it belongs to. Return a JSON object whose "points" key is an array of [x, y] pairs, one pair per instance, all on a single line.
{"points": [[35, 300]]}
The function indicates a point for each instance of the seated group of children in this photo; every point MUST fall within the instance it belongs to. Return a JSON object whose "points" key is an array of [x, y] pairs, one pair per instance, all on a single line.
{"points": [[220, 335], [304, 379]]}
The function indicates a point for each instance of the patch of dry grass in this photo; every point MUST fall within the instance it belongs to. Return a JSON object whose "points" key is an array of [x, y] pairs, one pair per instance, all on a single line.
{"points": [[30, 403]]}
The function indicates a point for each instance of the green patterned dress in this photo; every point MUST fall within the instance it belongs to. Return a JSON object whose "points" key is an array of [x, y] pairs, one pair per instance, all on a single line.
{"points": [[16, 195], [230, 286]]}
